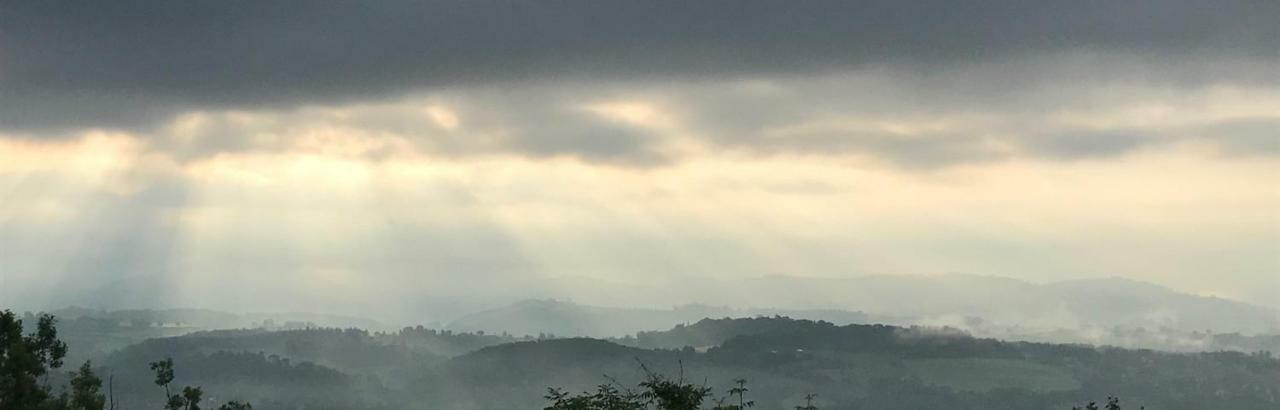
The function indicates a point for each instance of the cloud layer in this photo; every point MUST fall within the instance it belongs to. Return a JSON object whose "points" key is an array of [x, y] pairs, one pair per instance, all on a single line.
{"points": [[121, 63], [343, 151]]}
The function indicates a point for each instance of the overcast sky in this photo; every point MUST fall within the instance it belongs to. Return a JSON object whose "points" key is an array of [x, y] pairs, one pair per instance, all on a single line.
{"points": [[347, 151]]}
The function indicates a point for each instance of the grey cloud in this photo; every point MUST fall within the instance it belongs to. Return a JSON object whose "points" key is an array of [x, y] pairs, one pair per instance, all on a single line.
{"points": [[913, 152], [906, 120], [937, 151], [1250, 136], [546, 123], [1088, 143], [1255, 136], [591, 139], [960, 116], [861, 115], [70, 64], [537, 123]]}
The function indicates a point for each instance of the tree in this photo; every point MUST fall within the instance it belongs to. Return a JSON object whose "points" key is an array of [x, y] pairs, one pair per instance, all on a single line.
{"points": [[191, 396], [26, 360], [606, 397], [164, 375], [175, 402], [1113, 403], [85, 390], [740, 390], [808, 402], [235, 405], [656, 392], [672, 394]]}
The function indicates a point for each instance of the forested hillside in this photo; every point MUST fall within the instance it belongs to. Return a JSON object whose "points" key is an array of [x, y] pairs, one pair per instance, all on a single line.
{"points": [[885, 367], [784, 360]]}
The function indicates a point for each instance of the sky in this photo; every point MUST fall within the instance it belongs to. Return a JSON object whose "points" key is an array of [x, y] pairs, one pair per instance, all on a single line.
{"points": [[294, 155]]}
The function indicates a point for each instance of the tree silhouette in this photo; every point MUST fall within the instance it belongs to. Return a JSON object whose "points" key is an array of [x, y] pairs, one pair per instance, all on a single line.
{"points": [[25, 361], [235, 405], [1113, 403], [85, 390], [672, 394], [190, 397], [656, 391], [740, 390], [606, 397], [808, 402], [164, 375]]}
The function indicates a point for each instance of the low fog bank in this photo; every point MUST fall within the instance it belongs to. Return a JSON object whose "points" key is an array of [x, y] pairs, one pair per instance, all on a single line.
{"points": [[1103, 312]]}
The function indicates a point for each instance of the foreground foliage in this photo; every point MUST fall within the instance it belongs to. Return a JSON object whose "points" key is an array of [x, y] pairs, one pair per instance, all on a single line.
{"points": [[1113, 403], [26, 360], [655, 392]]}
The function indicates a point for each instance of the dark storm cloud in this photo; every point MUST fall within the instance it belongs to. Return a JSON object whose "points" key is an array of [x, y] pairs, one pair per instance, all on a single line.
{"points": [[127, 63]]}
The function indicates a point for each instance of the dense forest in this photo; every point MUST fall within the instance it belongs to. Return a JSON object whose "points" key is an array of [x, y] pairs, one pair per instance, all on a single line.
{"points": [[783, 362]]}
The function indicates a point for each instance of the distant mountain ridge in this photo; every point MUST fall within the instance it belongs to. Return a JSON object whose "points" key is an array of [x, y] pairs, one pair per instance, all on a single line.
{"points": [[563, 318], [618, 308], [946, 300], [949, 299], [1106, 302]]}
